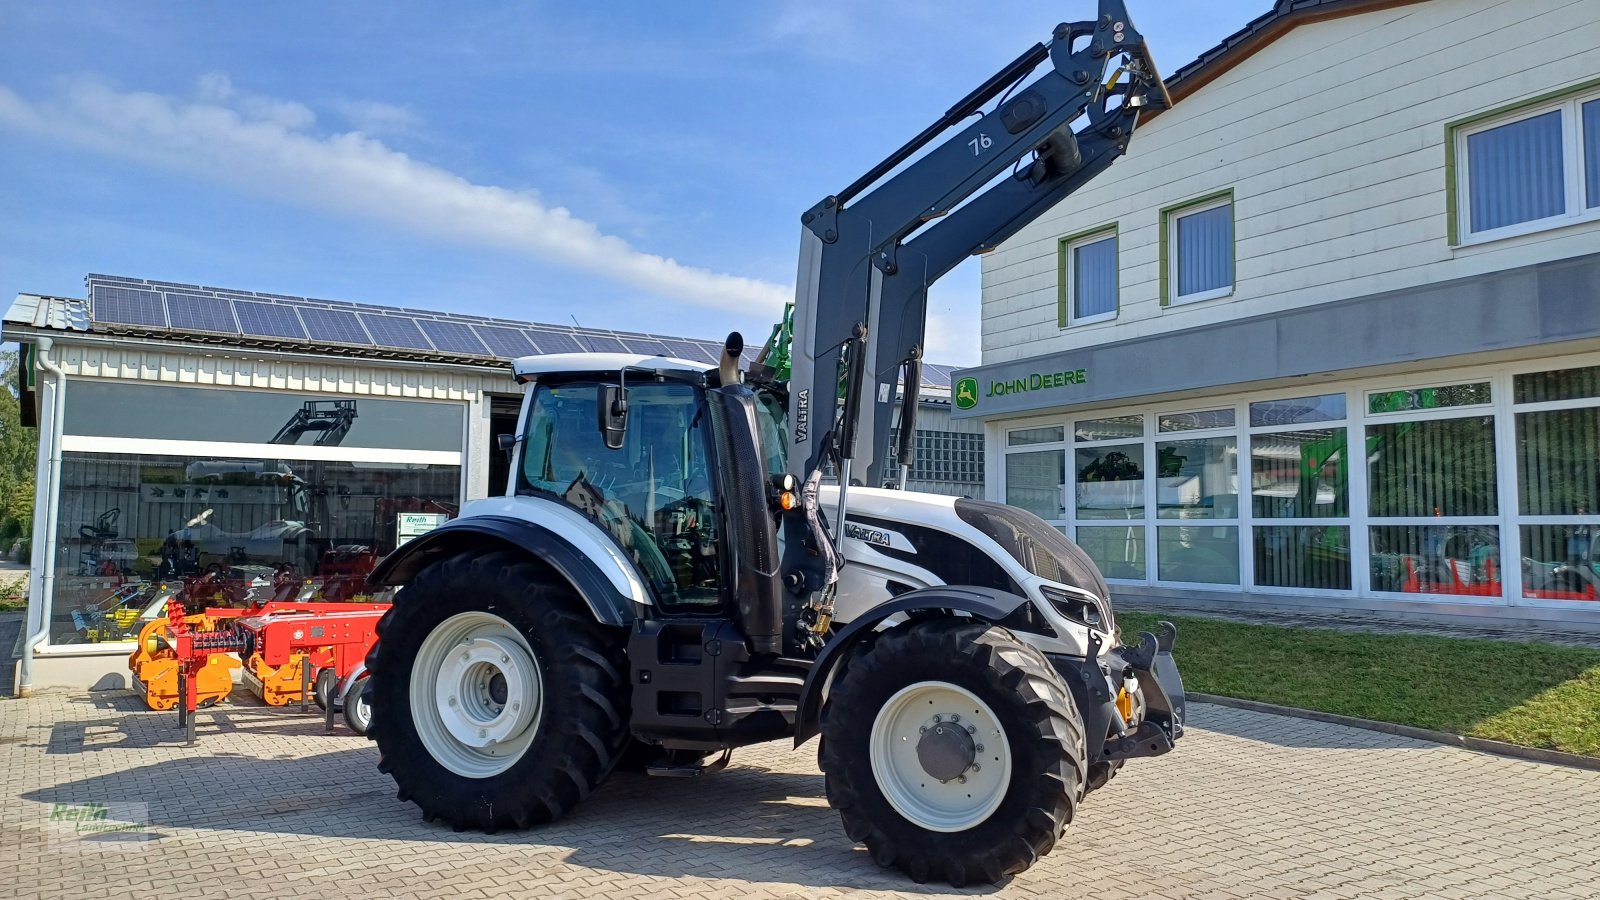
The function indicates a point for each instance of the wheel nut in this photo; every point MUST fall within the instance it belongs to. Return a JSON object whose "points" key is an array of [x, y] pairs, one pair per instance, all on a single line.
{"points": [[955, 717], [504, 658], [979, 748], [517, 706], [922, 730], [976, 767], [452, 701], [483, 732], [937, 718], [961, 778], [972, 729]]}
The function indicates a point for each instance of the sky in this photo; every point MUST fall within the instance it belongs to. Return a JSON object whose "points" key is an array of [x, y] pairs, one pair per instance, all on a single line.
{"points": [[630, 165]]}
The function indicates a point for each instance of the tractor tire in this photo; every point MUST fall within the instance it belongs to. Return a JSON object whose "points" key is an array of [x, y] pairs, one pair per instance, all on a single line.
{"points": [[357, 711], [953, 751], [497, 700]]}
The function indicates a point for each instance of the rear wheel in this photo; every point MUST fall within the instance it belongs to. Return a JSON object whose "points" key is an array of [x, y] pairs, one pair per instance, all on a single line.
{"points": [[496, 699], [968, 776]]}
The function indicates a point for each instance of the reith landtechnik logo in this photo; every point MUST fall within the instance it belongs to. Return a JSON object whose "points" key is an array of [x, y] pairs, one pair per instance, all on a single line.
{"points": [[966, 393]]}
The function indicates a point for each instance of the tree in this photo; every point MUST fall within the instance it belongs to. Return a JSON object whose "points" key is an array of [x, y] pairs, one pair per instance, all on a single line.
{"points": [[19, 449]]}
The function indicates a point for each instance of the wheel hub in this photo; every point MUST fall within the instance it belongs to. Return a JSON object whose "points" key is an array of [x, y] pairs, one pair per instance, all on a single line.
{"points": [[484, 689], [946, 751], [476, 694]]}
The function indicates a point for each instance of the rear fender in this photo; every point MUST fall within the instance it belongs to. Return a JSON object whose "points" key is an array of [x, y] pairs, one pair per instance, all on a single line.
{"points": [[986, 604], [477, 533]]}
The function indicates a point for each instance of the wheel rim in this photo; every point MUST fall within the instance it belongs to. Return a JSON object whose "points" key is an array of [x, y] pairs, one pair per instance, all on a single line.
{"points": [[914, 742], [476, 694]]}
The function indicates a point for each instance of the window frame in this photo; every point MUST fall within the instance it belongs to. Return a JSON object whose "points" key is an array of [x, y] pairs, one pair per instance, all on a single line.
{"points": [[1170, 298], [1067, 314], [1569, 102]]}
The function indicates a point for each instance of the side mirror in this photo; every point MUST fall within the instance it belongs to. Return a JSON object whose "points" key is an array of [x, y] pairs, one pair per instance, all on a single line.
{"points": [[611, 404], [507, 442]]}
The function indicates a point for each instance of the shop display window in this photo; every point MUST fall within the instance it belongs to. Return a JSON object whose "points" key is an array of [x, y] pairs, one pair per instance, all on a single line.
{"points": [[138, 529]]}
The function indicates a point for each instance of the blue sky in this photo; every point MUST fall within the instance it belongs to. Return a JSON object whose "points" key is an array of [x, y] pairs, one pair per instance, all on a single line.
{"points": [[639, 166]]}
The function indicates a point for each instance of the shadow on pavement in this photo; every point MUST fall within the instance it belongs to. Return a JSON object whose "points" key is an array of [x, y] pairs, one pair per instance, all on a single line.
{"points": [[742, 823]]}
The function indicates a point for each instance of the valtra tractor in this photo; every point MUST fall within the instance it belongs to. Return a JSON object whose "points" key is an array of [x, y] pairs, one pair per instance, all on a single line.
{"points": [[668, 577]]}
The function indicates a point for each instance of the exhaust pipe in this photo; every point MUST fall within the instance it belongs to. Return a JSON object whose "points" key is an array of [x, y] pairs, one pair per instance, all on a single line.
{"points": [[728, 368]]}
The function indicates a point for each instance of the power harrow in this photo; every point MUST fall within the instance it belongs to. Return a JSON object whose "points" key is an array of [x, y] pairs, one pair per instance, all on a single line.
{"points": [[288, 651]]}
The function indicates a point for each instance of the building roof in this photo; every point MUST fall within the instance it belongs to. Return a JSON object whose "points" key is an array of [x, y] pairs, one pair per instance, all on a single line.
{"points": [[199, 314], [1284, 16]]}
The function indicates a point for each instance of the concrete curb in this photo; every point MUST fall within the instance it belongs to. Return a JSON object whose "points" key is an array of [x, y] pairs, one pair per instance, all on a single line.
{"points": [[1481, 745]]}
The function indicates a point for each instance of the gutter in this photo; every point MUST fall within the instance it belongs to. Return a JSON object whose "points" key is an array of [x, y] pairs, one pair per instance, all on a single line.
{"points": [[46, 519]]}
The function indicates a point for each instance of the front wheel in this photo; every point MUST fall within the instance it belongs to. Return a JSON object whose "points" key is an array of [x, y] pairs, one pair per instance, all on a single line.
{"points": [[953, 751]]}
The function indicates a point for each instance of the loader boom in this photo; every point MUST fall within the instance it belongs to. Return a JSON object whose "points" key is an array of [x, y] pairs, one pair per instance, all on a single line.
{"points": [[869, 253]]}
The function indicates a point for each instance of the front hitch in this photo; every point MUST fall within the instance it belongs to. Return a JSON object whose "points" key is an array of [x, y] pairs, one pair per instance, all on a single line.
{"points": [[1157, 672]]}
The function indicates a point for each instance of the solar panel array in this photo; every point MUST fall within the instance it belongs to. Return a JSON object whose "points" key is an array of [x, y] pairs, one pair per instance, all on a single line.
{"points": [[192, 308]]}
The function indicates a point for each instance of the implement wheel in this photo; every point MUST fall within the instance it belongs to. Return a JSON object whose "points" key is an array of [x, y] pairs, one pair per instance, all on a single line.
{"points": [[953, 751], [496, 699]]}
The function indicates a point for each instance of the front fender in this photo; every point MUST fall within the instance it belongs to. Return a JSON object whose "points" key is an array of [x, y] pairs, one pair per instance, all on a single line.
{"points": [[988, 604], [478, 533]]}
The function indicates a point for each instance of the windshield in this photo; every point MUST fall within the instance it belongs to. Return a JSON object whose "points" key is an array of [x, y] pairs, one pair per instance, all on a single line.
{"points": [[653, 495]]}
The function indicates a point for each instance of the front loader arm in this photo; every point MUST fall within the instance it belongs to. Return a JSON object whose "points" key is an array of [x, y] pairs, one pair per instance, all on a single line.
{"points": [[869, 253]]}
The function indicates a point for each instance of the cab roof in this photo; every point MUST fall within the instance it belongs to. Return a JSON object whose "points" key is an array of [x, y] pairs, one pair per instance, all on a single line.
{"points": [[529, 367]]}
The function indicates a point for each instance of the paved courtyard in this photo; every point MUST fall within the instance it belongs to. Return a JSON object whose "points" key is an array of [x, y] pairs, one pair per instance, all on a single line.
{"points": [[1251, 805]]}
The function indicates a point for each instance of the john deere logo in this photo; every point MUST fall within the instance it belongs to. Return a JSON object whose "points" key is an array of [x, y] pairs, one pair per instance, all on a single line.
{"points": [[966, 393]]}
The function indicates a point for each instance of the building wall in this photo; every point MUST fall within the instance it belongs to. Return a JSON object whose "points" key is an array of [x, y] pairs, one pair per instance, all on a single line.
{"points": [[1332, 140]]}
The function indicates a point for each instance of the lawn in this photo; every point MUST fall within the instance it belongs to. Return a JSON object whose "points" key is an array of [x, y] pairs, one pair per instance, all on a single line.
{"points": [[1537, 695]]}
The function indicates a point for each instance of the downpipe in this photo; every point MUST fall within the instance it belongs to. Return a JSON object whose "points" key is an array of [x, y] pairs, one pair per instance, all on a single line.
{"points": [[42, 567]]}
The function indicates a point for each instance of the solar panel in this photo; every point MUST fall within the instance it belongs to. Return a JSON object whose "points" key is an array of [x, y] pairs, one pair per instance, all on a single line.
{"points": [[553, 341], [647, 347], [268, 319], [453, 337], [127, 306], [393, 331], [505, 342], [688, 350], [196, 312], [334, 325], [599, 343], [710, 351], [92, 278]]}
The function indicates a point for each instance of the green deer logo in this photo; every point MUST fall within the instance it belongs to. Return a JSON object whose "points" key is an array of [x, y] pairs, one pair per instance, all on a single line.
{"points": [[966, 393]]}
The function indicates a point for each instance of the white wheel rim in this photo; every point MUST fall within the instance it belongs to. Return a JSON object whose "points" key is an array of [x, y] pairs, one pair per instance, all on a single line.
{"points": [[955, 804], [476, 694]]}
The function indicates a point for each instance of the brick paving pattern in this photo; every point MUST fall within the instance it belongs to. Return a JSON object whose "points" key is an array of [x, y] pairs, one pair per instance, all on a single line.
{"points": [[1251, 805], [1378, 623]]}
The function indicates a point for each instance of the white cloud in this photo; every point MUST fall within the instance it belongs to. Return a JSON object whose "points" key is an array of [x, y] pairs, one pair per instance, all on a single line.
{"points": [[375, 117], [265, 146]]}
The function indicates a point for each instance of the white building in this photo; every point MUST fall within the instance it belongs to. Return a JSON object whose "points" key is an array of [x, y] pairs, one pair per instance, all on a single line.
{"points": [[223, 446], [1329, 335]]}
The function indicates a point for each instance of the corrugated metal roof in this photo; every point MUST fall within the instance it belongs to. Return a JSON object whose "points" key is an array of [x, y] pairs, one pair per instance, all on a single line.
{"points": [[69, 314], [54, 313]]}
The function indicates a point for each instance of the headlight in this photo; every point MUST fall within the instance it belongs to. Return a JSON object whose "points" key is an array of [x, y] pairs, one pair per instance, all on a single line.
{"points": [[1078, 608]]}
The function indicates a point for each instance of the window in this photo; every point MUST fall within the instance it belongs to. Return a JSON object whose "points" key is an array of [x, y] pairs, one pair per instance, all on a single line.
{"points": [[1108, 494], [1089, 277], [1558, 483], [1197, 250], [653, 495], [138, 529], [1532, 167], [1300, 493], [1436, 480]]}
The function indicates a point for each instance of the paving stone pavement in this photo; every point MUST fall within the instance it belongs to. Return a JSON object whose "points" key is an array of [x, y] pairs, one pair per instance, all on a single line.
{"points": [[1250, 805], [1376, 623]]}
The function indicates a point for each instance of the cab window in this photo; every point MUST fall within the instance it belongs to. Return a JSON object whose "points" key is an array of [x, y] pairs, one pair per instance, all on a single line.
{"points": [[653, 496]]}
